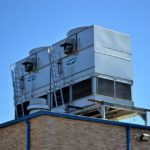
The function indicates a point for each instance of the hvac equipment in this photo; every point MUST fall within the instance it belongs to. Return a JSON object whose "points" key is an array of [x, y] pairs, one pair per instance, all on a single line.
{"points": [[88, 73]]}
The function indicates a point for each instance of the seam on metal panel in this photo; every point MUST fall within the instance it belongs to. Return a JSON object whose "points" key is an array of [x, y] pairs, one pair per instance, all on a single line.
{"points": [[112, 56]]}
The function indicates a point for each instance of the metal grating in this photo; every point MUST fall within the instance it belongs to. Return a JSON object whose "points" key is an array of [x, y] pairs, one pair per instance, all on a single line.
{"points": [[105, 87], [114, 89], [82, 89], [123, 90]]}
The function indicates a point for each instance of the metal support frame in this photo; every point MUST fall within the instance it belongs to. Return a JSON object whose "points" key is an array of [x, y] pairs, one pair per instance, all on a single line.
{"points": [[103, 113], [119, 111], [49, 100], [94, 85], [144, 117], [70, 95]]}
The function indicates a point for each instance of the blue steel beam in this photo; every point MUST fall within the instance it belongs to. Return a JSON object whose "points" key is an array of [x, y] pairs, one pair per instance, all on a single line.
{"points": [[70, 116], [128, 138], [27, 122]]}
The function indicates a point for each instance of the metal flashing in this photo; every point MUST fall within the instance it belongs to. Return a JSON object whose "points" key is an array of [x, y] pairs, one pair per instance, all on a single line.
{"points": [[70, 116]]}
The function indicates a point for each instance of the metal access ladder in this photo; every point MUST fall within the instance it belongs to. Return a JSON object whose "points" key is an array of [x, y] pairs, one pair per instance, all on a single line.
{"points": [[16, 88], [55, 78]]}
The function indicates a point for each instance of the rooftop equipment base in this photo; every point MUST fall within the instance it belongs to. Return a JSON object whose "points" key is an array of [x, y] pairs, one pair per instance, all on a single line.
{"points": [[111, 111]]}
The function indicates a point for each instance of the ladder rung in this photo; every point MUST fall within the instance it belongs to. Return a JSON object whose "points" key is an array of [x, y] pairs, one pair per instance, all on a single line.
{"points": [[56, 79]]}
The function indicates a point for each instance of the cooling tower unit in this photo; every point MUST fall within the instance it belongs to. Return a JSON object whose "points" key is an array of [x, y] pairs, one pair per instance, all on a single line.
{"points": [[88, 73]]}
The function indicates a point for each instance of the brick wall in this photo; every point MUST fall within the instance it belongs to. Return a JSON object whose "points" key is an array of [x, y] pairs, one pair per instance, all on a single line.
{"points": [[13, 137], [56, 133]]}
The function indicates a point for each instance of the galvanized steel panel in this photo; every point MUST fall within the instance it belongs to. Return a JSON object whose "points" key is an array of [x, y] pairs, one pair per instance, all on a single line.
{"points": [[113, 66], [81, 61], [111, 52], [112, 39], [85, 38], [42, 58]]}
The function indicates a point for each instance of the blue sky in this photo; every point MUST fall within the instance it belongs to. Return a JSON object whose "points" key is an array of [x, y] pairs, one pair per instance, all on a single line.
{"points": [[26, 24]]}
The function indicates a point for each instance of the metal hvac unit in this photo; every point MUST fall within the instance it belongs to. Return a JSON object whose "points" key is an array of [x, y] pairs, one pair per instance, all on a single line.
{"points": [[91, 67]]}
